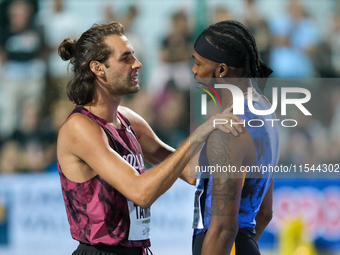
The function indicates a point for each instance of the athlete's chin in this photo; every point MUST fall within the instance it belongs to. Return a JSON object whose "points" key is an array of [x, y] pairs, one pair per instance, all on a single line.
{"points": [[134, 89]]}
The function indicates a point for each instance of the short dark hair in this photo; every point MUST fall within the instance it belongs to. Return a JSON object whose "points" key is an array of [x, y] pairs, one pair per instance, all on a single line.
{"points": [[238, 42], [90, 46]]}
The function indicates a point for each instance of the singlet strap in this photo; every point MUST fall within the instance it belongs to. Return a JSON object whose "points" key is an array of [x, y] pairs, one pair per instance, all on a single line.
{"points": [[146, 251], [82, 110], [126, 123]]}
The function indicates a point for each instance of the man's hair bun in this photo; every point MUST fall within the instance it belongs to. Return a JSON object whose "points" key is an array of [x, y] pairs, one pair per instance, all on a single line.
{"points": [[66, 49]]}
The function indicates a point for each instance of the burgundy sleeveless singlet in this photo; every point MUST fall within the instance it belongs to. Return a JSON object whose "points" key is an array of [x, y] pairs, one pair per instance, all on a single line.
{"points": [[97, 212]]}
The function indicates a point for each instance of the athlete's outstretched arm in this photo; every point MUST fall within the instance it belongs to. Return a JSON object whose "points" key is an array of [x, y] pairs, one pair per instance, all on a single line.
{"points": [[265, 213], [155, 151]]}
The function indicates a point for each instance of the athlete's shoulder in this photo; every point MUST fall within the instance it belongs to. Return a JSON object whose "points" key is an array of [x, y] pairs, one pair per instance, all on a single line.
{"points": [[77, 125], [132, 116], [75, 120], [136, 121], [127, 112]]}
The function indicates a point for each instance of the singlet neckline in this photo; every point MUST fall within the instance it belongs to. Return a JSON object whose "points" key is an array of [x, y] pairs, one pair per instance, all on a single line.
{"points": [[126, 126], [119, 116]]}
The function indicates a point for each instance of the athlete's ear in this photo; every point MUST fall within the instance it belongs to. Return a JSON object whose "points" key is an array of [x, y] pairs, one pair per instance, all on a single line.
{"points": [[97, 68], [222, 70]]}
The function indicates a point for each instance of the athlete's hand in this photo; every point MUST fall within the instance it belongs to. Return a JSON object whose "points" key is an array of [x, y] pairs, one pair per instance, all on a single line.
{"points": [[228, 123], [225, 121]]}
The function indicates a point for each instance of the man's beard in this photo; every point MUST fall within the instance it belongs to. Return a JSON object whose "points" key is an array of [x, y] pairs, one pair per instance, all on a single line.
{"points": [[120, 87], [213, 76]]}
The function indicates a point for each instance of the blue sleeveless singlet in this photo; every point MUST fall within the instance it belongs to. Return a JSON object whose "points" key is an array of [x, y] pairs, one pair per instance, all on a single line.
{"points": [[266, 141]]}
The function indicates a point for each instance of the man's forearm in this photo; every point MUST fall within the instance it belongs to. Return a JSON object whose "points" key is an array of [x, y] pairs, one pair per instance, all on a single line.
{"points": [[261, 223], [160, 178]]}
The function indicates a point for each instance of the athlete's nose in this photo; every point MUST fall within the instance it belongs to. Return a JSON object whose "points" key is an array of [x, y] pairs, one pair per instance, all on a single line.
{"points": [[136, 64], [193, 70]]}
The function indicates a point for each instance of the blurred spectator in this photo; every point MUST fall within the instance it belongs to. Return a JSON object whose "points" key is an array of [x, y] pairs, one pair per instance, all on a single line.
{"points": [[141, 103], [295, 239], [108, 13], [21, 50], [171, 116], [61, 24], [294, 43], [316, 138], [333, 97], [221, 14], [323, 60], [177, 44], [333, 41], [296, 148], [260, 29], [176, 50], [170, 82], [128, 20], [10, 157], [4, 4], [59, 111], [167, 113], [32, 146], [31, 138]]}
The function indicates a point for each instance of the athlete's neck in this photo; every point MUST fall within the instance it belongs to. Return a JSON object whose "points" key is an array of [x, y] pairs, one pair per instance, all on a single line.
{"points": [[242, 83], [105, 107]]}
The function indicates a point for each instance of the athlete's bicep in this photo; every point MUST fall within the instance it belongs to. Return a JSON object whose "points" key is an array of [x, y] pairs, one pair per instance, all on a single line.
{"points": [[225, 160], [82, 138], [225, 194]]}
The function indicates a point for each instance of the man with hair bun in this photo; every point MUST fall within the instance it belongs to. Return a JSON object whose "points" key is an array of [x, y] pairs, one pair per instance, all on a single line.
{"points": [[232, 209], [102, 146]]}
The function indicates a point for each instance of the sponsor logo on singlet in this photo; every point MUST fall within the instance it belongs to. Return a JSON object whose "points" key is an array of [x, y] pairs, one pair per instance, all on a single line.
{"points": [[135, 160]]}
